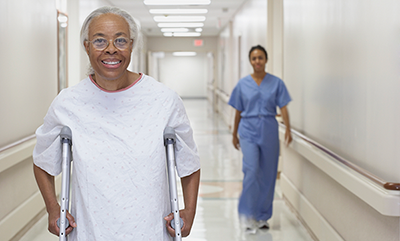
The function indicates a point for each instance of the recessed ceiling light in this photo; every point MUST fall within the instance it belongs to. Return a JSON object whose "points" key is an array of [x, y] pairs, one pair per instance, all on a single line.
{"points": [[177, 2], [199, 30], [180, 25], [190, 34], [179, 18], [184, 54], [178, 11], [175, 30]]}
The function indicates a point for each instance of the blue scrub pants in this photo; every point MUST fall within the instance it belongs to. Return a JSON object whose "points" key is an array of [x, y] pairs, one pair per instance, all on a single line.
{"points": [[260, 165]]}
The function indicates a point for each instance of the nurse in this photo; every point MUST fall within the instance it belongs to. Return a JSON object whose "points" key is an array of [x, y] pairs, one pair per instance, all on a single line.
{"points": [[255, 98], [117, 118]]}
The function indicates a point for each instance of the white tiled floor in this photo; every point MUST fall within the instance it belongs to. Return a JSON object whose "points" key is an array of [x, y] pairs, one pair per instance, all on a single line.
{"points": [[217, 218]]}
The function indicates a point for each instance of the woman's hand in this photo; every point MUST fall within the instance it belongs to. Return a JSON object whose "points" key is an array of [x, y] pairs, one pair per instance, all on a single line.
{"points": [[54, 215], [235, 141], [187, 218]]}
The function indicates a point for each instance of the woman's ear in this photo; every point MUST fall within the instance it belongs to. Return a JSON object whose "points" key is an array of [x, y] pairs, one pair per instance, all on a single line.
{"points": [[131, 45], [86, 44]]}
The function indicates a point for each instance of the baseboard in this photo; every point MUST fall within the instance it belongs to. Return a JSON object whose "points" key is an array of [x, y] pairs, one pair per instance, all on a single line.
{"points": [[310, 216], [15, 223]]}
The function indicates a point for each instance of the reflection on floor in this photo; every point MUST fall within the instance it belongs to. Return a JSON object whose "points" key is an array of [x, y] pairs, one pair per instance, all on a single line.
{"points": [[221, 176]]}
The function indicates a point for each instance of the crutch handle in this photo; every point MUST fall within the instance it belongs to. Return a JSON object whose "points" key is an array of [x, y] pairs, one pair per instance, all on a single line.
{"points": [[173, 223], [66, 134], [66, 223], [169, 136]]}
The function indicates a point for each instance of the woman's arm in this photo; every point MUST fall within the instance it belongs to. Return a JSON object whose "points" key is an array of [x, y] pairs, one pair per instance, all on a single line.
{"points": [[235, 139], [46, 186], [285, 116], [190, 188]]}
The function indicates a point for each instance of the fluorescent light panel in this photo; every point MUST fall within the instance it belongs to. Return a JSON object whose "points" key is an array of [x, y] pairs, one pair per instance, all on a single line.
{"points": [[199, 30], [190, 34], [177, 2], [184, 54], [179, 18], [178, 11], [180, 25], [175, 30]]}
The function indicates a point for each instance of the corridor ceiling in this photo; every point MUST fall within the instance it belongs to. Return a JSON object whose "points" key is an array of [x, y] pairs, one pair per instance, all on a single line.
{"points": [[218, 16]]}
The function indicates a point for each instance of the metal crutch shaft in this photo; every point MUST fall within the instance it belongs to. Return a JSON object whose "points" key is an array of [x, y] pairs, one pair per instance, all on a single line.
{"points": [[66, 142], [169, 143]]}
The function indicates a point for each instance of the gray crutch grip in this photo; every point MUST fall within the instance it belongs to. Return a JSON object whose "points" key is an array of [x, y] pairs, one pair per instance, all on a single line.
{"points": [[66, 133], [169, 136], [173, 223]]}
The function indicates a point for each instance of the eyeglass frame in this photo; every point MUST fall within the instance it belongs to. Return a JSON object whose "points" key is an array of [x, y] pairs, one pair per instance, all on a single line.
{"points": [[108, 43]]}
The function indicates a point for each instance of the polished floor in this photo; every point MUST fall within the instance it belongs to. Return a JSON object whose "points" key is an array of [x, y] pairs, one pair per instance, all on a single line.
{"points": [[221, 176]]}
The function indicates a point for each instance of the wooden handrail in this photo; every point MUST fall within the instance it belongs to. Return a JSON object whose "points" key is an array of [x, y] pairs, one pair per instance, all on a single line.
{"points": [[367, 174]]}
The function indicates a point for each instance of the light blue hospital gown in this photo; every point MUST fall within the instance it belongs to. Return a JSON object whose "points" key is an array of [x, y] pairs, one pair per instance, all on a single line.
{"points": [[258, 133]]}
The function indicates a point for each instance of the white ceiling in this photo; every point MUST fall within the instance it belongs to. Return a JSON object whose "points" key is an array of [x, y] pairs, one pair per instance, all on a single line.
{"points": [[219, 13]]}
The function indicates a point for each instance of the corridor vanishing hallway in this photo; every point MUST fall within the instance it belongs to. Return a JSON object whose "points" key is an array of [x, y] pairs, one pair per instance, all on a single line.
{"points": [[221, 176]]}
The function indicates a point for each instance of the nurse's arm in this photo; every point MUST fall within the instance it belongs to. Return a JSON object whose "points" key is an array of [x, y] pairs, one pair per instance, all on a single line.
{"points": [[285, 116], [46, 185], [235, 139]]}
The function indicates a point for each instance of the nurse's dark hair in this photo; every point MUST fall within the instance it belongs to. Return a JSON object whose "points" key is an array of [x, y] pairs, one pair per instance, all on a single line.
{"points": [[259, 47]]}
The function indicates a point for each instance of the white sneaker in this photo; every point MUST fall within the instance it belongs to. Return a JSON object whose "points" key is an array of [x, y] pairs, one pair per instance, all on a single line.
{"points": [[250, 230], [263, 224], [248, 225]]}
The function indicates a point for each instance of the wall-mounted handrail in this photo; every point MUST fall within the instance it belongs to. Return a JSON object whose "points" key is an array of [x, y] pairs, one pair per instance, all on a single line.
{"points": [[19, 142], [367, 174]]}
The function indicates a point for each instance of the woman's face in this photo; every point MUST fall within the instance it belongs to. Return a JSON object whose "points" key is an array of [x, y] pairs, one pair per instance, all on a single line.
{"points": [[110, 63], [258, 60]]}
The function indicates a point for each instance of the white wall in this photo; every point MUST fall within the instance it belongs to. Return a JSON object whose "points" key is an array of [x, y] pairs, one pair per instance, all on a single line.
{"points": [[27, 67], [185, 75], [188, 76], [342, 67], [28, 77]]}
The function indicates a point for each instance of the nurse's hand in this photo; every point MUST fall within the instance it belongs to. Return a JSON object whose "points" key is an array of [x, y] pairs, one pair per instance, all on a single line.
{"points": [[235, 142], [288, 137]]}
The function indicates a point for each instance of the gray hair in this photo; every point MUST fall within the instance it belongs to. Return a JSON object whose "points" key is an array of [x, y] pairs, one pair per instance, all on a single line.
{"points": [[134, 28]]}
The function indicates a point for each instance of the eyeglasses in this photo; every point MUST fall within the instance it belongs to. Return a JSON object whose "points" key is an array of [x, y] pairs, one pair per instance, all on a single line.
{"points": [[120, 43]]}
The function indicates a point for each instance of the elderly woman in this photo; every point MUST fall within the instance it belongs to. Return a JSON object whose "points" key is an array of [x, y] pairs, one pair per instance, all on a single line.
{"points": [[117, 118]]}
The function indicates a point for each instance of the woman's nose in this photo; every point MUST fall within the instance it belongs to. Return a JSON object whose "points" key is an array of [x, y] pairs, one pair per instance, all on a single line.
{"points": [[111, 47]]}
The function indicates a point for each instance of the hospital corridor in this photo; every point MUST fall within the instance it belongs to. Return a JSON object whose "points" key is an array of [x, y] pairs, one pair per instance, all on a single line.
{"points": [[221, 178], [285, 112]]}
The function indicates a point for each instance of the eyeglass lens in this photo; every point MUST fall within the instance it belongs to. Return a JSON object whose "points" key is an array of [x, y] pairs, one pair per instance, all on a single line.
{"points": [[102, 43]]}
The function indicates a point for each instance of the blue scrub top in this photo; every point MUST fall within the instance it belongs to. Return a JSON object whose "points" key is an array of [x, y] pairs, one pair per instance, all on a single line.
{"points": [[257, 101]]}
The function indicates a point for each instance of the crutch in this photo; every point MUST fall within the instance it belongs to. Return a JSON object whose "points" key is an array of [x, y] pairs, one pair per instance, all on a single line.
{"points": [[66, 142], [169, 143]]}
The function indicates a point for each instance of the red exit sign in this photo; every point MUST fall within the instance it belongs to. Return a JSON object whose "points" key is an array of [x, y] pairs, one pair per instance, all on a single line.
{"points": [[198, 42]]}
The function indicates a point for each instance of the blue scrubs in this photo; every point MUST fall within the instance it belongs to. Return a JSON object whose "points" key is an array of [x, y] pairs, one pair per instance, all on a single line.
{"points": [[258, 133]]}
